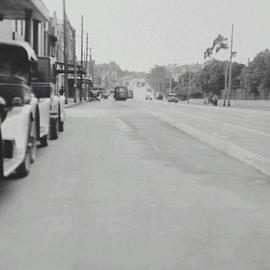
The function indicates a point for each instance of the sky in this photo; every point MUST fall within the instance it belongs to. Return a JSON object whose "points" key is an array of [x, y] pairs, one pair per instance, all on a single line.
{"points": [[138, 34]]}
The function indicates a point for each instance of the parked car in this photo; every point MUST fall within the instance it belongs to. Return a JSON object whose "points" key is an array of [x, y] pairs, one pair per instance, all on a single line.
{"points": [[45, 89], [20, 128], [94, 94], [172, 98], [148, 97], [130, 94], [159, 96]]}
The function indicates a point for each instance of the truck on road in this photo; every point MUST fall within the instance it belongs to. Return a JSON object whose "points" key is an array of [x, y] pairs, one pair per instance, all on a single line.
{"points": [[120, 93]]}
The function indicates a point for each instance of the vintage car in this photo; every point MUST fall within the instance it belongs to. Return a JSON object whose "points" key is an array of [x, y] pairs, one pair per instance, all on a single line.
{"points": [[32, 110], [95, 94], [148, 97], [20, 127], [172, 98], [159, 96], [45, 89], [130, 93]]}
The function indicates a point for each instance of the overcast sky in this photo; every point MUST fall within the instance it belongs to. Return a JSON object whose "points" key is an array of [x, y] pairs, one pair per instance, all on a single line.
{"points": [[137, 34]]}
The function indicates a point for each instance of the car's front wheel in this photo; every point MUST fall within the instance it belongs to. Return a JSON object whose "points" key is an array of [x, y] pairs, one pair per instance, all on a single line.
{"points": [[54, 129], [61, 126], [24, 169], [44, 141]]}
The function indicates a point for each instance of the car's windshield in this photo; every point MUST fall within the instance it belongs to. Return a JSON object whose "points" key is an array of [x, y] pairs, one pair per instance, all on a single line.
{"points": [[121, 89], [13, 61]]}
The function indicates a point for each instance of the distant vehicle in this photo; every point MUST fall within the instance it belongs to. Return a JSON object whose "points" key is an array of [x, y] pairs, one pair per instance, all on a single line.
{"points": [[105, 95], [148, 97], [213, 100], [172, 98], [183, 97], [159, 96], [130, 94], [120, 93], [94, 94]]}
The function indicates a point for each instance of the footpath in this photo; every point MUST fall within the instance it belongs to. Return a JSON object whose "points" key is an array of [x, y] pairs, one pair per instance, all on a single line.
{"points": [[71, 103], [263, 105]]}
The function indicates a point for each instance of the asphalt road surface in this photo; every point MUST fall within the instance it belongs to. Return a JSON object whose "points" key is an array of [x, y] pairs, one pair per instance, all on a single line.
{"points": [[124, 190]]}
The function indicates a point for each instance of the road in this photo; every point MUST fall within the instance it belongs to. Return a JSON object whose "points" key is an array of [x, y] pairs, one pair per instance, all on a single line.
{"points": [[125, 189], [242, 133]]}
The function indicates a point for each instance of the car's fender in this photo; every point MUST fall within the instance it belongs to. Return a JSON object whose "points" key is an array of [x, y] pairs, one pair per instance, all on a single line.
{"points": [[62, 108], [44, 116], [58, 106], [16, 128]]}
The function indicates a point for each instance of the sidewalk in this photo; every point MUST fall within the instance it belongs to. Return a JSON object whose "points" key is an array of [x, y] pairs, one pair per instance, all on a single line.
{"points": [[263, 105], [71, 103]]}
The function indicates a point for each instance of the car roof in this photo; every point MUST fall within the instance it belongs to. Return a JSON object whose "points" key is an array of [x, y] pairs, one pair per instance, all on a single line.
{"points": [[22, 44]]}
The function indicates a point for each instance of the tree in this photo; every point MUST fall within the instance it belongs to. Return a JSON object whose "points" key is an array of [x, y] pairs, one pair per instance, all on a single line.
{"points": [[261, 67], [211, 79], [250, 81], [219, 43], [257, 74], [236, 74], [158, 78]]}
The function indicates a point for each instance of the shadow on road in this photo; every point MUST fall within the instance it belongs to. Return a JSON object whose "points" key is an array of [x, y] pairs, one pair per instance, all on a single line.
{"points": [[7, 188]]}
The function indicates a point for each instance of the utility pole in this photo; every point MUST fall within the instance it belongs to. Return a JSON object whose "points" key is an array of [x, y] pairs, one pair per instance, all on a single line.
{"points": [[81, 78], [89, 63], [86, 68], [230, 70], [92, 66], [75, 66], [226, 83], [170, 82], [65, 52], [188, 88]]}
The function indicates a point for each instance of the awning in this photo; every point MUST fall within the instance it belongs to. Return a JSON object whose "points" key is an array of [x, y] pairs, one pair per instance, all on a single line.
{"points": [[15, 9]]}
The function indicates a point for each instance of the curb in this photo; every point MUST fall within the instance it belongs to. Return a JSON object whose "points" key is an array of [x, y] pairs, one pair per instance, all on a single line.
{"points": [[256, 161], [70, 105]]}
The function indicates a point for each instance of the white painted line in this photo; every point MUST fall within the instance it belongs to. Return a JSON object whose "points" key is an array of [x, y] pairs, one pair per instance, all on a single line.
{"points": [[258, 162], [222, 123]]}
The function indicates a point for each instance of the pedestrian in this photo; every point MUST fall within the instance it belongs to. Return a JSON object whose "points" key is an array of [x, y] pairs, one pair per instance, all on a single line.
{"points": [[61, 91], [215, 100]]}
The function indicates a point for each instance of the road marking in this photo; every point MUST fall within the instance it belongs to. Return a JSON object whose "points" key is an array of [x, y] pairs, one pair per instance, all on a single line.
{"points": [[258, 162], [222, 123]]}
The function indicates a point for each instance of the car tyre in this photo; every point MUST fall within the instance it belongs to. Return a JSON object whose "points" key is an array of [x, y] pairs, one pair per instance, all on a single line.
{"points": [[34, 137], [33, 150], [44, 141], [61, 126], [24, 169], [1, 157], [60, 123], [54, 129]]}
